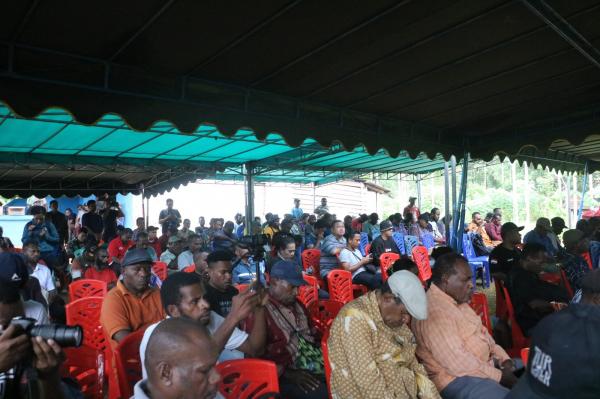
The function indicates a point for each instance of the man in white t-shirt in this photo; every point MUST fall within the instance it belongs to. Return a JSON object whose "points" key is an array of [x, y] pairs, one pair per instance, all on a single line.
{"points": [[182, 295], [362, 271], [31, 253], [186, 258]]}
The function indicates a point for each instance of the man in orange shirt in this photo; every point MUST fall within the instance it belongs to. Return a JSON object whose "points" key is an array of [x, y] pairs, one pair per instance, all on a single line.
{"points": [[119, 246], [460, 356], [133, 304]]}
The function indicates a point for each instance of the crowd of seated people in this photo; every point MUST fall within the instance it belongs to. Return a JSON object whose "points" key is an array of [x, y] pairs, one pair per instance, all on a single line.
{"points": [[224, 296]]}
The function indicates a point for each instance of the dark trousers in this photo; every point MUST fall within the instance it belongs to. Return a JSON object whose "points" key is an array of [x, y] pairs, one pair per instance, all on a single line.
{"points": [[289, 390], [371, 280]]}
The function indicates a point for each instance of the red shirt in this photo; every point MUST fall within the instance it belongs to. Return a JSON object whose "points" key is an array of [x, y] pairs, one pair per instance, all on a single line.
{"points": [[106, 275], [157, 247], [116, 248], [357, 225]]}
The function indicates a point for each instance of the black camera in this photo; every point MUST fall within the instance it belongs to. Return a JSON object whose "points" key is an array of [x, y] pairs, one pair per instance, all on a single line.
{"points": [[65, 336]]}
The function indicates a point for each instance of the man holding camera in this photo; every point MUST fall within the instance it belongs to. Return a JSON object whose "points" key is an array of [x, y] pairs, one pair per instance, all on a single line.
{"points": [[26, 363], [43, 233]]}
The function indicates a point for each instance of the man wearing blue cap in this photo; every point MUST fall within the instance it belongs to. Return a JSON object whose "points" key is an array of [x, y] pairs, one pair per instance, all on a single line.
{"points": [[291, 342]]}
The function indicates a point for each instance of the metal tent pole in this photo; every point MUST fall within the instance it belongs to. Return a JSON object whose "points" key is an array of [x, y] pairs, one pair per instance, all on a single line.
{"points": [[419, 191], [453, 180], [460, 209], [447, 201], [583, 190], [249, 191]]}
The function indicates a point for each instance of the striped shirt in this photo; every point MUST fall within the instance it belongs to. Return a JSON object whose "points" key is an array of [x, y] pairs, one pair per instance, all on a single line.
{"points": [[452, 342]]}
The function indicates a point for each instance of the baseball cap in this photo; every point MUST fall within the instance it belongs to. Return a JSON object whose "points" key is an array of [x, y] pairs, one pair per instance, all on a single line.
{"points": [[412, 198], [408, 288], [136, 256], [563, 357], [288, 271], [385, 225], [544, 223], [510, 226], [13, 269], [572, 236], [558, 222]]}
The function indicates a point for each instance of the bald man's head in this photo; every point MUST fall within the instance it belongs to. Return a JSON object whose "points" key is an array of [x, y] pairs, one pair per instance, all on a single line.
{"points": [[180, 359]]}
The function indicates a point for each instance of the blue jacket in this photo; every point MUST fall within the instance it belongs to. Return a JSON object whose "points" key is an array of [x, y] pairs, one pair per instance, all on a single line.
{"points": [[48, 242]]}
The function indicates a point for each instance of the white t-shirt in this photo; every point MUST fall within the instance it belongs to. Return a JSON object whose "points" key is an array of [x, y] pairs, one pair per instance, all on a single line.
{"points": [[44, 276], [352, 257], [230, 352], [185, 259], [37, 311]]}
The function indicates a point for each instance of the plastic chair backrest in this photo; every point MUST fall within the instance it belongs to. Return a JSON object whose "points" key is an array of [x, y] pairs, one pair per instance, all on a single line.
{"points": [[518, 338], [385, 261], [248, 378], [501, 311], [308, 295], [567, 283], [410, 242], [364, 241], [242, 287], [87, 287], [311, 258], [479, 303], [86, 313], [399, 240], [428, 241], [325, 351], [588, 259], [525, 356], [468, 249], [328, 310], [128, 363], [189, 269], [160, 269], [340, 285], [86, 366], [421, 258], [368, 249]]}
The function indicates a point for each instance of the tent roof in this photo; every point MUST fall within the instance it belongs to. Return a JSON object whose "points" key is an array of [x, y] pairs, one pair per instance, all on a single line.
{"points": [[417, 76], [54, 154]]}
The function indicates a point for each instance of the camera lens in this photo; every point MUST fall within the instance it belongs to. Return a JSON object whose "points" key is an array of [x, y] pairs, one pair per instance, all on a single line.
{"points": [[65, 336]]}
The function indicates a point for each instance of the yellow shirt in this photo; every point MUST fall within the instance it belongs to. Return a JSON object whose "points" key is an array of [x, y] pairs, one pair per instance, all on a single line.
{"points": [[371, 360]]}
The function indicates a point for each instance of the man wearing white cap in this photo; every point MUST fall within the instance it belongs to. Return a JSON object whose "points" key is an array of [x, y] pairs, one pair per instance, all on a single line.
{"points": [[371, 348]]}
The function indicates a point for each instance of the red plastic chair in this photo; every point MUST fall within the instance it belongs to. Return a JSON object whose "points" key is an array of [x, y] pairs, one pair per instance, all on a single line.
{"points": [[328, 310], [359, 290], [421, 257], [519, 341], [86, 366], [86, 313], [368, 248], [160, 269], [242, 287], [525, 356], [87, 287], [479, 303], [385, 261], [588, 259], [567, 283], [311, 259], [501, 311], [248, 378], [308, 295], [340, 286], [128, 363], [189, 269], [325, 350]]}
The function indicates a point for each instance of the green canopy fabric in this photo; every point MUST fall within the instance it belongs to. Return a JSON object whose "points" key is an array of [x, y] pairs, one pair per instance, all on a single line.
{"points": [[55, 154]]}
